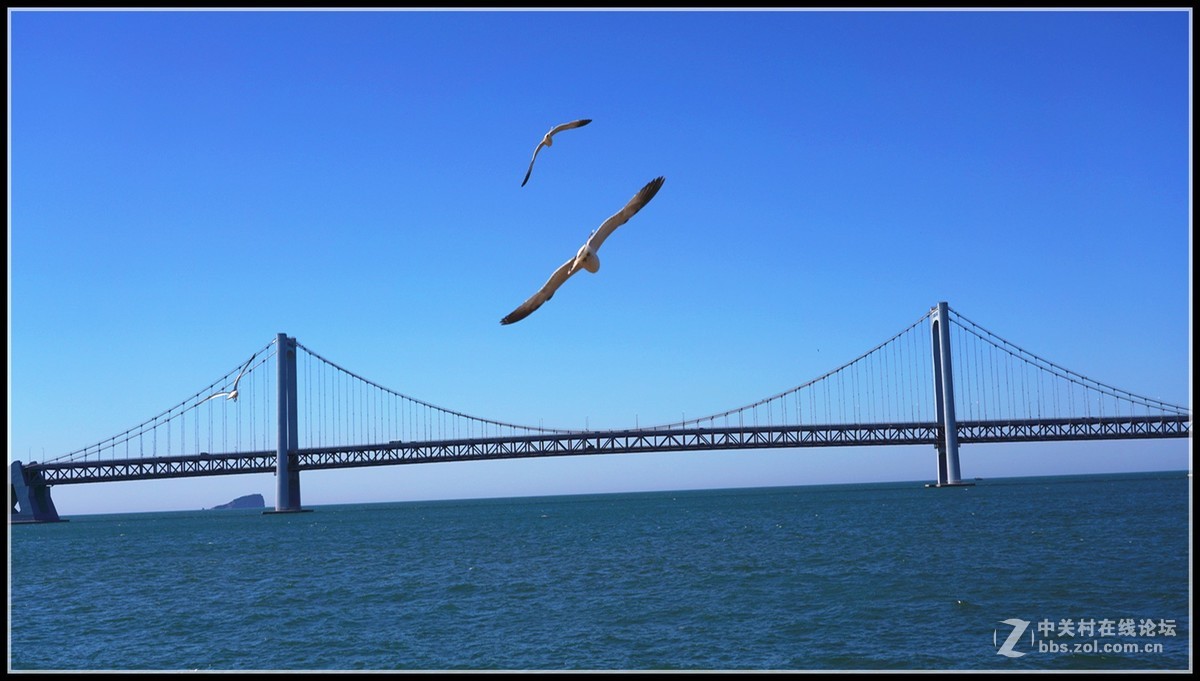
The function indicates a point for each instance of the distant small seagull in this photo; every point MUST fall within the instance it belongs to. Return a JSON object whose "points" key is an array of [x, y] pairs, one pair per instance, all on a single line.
{"points": [[586, 258], [548, 141], [232, 393]]}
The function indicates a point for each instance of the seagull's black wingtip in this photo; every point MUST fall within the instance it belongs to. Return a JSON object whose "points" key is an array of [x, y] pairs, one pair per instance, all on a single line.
{"points": [[651, 188]]}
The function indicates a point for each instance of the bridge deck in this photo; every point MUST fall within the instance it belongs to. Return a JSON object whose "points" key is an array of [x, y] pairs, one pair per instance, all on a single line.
{"points": [[611, 442]]}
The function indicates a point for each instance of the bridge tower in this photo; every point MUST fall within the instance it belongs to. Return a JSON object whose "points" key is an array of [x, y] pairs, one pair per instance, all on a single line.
{"points": [[943, 390], [287, 478]]}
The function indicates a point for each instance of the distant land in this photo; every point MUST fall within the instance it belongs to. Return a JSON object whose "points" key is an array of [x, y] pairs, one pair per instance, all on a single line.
{"points": [[248, 501]]}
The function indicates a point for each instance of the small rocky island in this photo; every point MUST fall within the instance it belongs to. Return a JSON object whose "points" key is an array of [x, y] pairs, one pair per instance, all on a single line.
{"points": [[248, 501]]}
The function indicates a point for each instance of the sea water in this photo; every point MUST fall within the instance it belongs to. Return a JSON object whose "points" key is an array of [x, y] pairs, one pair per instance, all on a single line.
{"points": [[1078, 572]]}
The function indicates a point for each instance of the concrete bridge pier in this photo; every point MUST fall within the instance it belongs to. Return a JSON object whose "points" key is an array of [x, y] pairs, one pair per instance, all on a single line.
{"points": [[287, 478], [943, 391], [31, 502]]}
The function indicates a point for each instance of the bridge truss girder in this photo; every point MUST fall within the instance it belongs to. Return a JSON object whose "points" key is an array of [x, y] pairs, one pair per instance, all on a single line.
{"points": [[612, 442], [1057, 430]]}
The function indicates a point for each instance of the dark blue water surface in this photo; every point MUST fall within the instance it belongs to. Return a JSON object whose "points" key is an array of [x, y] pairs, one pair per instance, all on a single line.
{"points": [[870, 576]]}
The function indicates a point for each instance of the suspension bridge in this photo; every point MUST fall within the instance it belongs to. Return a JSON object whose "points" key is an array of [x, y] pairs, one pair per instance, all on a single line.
{"points": [[298, 411]]}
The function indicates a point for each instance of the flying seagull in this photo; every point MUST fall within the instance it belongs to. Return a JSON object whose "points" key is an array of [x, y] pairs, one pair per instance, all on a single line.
{"points": [[586, 258], [549, 141], [232, 393]]}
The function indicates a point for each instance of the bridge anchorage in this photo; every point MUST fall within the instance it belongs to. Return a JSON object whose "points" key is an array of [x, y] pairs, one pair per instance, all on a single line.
{"points": [[31, 502], [919, 387]]}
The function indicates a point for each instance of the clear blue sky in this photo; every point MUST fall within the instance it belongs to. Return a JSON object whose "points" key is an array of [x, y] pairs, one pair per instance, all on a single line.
{"points": [[184, 185]]}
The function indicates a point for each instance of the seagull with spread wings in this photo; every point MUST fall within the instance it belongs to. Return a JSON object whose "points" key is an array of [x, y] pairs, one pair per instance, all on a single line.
{"points": [[232, 393], [586, 258], [548, 140]]}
